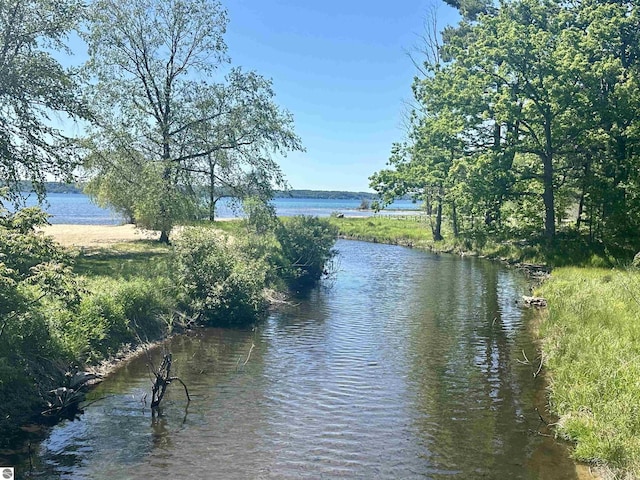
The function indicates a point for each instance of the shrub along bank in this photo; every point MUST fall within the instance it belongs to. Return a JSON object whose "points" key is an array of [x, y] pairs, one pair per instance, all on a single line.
{"points": [[59, 313]]}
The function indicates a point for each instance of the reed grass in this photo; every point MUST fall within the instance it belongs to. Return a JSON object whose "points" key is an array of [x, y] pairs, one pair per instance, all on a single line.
{"points": [[591, 343]]}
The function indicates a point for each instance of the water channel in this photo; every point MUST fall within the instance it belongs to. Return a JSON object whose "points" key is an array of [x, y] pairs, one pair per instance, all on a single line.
{"points": [[405, 365]]}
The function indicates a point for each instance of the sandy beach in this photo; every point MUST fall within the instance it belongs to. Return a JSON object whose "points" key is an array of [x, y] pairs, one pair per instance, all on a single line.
{"points": [[96, 235]]}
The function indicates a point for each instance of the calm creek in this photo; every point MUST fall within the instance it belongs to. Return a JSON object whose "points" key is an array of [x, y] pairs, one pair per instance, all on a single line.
{"points": [[404, 365]]}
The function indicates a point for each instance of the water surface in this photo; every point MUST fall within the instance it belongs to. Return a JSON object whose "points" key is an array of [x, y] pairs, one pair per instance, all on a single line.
{"points": [[403, 366], [78, 209]]}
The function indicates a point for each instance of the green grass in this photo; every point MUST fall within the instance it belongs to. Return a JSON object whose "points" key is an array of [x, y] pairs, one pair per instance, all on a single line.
{"points": [[591, 344], [126, 294], [414, 231], [140, 258], [231, 227], [567, 249]]}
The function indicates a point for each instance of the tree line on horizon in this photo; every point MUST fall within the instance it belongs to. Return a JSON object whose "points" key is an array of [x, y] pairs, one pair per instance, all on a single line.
{"points": [[526, 122], [64, 187]]}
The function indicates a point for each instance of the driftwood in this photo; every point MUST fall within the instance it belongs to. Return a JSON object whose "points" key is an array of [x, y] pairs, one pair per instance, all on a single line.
{"points": [[163, 380], [534, 301], [65, 400]]}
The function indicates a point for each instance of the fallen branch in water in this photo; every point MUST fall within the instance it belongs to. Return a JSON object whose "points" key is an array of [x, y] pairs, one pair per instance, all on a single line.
{"points": [[163, 380], [528, 362], [540, 367], [253, 345]]}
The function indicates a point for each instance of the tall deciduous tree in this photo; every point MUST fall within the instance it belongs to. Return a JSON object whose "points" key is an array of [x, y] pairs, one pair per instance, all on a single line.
{"points": [[154, 63], [609, 160], [34, 87], [144, 56], [230, 151]]}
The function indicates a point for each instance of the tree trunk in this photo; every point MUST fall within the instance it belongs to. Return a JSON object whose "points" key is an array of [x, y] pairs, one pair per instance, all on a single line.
{"points": [[437, 229], [547, 181], [548, 198], [163, 213], [212, 190], [583, 193], [454, 220], [164, 237], [580, 210]]}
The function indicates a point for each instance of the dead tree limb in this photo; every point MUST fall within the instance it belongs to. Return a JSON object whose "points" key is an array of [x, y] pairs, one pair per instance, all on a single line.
{"points": [[163, 380]]}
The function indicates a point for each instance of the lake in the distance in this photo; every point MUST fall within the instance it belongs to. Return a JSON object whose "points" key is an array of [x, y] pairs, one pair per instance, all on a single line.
{"points": [[77, 208]]}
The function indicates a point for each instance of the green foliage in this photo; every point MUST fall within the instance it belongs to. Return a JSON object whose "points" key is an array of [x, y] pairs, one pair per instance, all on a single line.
{"points": [[591, 350], [21, 248], [259, 216], [33, 85], [31, 268], [115, 181], [29, 367], [97, 328], [50, 318], [162, 155], [527, 119], [306, 246], [27, 259], [216, 281], [112, 313]]}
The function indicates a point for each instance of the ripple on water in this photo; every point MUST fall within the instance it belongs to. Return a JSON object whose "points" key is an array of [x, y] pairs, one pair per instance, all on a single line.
{"points": [[403, 369]]}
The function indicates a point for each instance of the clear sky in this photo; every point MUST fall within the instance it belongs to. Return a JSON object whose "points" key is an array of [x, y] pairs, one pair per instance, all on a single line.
{"points": [[341, 68]]}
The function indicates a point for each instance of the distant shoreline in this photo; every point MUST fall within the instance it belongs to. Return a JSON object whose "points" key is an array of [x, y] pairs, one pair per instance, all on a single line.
{"points": [[71, 188]]}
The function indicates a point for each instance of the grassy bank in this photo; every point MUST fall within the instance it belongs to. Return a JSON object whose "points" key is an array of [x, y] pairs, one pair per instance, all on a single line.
{"points": [[410, 231], [109, 301], [591, 344], [415, 231], [128, 298]]}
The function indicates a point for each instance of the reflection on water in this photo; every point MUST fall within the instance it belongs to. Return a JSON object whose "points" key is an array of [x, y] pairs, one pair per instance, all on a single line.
{"points": [[405, 368]]}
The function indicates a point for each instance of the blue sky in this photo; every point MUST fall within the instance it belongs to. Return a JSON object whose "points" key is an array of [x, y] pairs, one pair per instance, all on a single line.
{"points": [[342, 69]]}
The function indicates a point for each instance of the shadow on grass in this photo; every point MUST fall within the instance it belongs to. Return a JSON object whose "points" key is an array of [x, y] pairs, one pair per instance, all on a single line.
{"points": [[140, 258], [572, 249]]}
